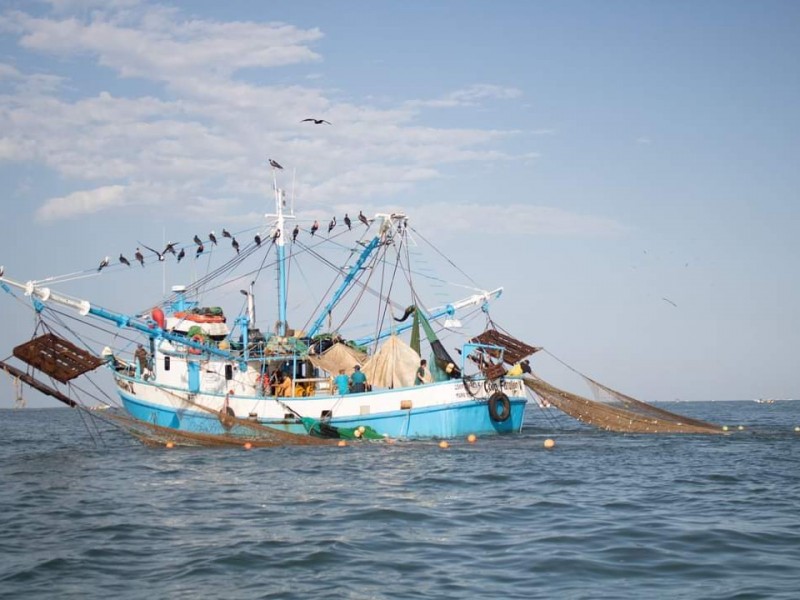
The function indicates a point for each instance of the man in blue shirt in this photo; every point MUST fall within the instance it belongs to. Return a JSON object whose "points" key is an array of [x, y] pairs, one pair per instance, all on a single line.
{"points": [[358, 381], [342, 382]]}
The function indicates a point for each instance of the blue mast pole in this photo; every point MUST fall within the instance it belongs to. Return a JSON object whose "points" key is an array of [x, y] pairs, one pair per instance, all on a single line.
{"points": [[351, 274]]}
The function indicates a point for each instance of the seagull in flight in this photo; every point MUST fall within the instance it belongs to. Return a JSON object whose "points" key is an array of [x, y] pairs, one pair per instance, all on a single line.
{"points": [[274, 164], [316, 121], [670, 301], [170, 247]]}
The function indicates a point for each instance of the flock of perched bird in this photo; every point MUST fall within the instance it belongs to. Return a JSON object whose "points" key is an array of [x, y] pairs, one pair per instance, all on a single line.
{"points": [[200, 244]]}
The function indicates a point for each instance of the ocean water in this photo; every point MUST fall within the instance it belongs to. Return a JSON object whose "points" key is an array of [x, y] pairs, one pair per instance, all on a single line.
{"points": [[86, 512]]}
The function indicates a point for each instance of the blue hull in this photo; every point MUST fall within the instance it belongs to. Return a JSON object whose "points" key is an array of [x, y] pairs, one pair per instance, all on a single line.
{"points": [[452, 421]]}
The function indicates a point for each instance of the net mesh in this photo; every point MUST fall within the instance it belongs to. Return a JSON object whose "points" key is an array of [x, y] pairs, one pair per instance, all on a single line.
{"points": [[627, 416]]}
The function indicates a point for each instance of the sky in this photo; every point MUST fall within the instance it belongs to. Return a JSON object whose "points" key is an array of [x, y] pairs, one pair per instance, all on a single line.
{"points": [[626, 170]]}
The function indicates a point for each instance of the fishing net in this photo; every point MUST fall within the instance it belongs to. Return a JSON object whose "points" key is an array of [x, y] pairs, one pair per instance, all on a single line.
{"points": [[241, 432], [627, 415]]}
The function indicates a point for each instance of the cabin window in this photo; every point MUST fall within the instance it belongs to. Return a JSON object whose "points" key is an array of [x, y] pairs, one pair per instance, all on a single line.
{"points": [[166, 363], [228, 372]]}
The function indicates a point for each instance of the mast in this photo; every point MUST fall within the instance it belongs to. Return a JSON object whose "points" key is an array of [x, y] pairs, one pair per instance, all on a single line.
{"points": [[279, 238], [351, 274]]}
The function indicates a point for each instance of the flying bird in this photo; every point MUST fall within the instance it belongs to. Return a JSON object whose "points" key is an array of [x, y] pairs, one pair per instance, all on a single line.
{"points": [[316, 121], [199, 250], [139, 256], [257, 240], [235, 245], [197, 240], [156, 252], [274, 164], [213, 238], [363, 218], [347, 221], [103, 263], [226, 233], [314, 227], [124, 260], [295, 232], [331, 225], [181, 254], [170, 247], [670, 301]]}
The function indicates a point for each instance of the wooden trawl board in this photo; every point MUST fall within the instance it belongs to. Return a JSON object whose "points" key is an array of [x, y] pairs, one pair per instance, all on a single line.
{"points": [[56, 357]]}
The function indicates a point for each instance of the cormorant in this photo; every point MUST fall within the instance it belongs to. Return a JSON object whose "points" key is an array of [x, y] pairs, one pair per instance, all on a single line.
{"points": [[103, 263], [213, 238], [331, 225], [274, 164], [124, 260], [199, 251], [139, 256], [235, 245], [181, 254], [314, 227], [363, 218], [347, 221], [295, 232], [226, 233]]}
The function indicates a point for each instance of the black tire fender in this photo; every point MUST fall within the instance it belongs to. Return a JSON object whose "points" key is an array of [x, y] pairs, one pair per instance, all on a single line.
{"points": [[499, 407]]}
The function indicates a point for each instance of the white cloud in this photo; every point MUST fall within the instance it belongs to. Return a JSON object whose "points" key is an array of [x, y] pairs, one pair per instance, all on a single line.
{"points": [[83, 202], [471, 96], [516, 219], [201, 145]]}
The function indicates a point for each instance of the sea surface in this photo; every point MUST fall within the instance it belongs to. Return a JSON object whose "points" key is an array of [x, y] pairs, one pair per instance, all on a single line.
{"points": [[86, 512]]}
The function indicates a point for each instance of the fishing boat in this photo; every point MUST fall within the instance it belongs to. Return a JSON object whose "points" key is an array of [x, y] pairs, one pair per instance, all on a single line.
{"points": [[205, 370]]}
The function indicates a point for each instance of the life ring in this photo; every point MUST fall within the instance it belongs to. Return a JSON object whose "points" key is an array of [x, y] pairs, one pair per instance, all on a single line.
{"points": [[499, 407], [198, 338]]}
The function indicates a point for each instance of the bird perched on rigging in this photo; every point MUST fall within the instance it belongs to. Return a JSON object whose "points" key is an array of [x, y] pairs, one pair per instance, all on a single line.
{"points": [[156, 252], [316, 121], [226, 233], [314, 227], [363, 218], [103, 264], [124, 260], [274, 164], [212, 238], [181, 254], [199, 250], [170, 247], [257, 240], [331, 225], [347, 222], [295, 232], [139, 256], [275, 235], [235, 244], [197, 240]]}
